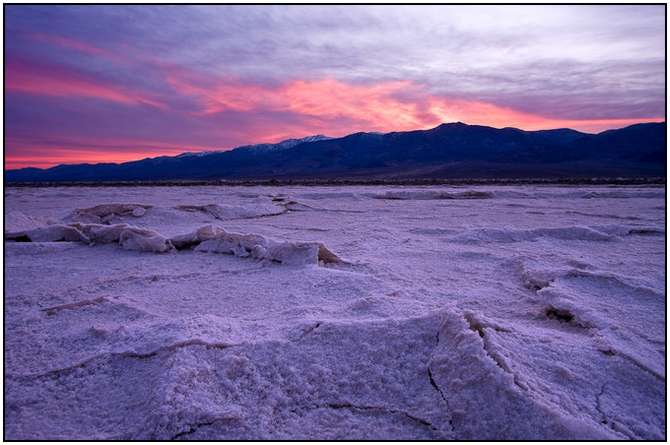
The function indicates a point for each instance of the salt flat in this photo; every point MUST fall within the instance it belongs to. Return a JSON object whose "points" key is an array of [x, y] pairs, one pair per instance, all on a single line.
{"points": [[512, 312]]}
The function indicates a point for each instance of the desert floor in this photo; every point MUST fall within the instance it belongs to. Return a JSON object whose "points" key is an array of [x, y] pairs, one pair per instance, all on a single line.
{"points": [[509, 312]]}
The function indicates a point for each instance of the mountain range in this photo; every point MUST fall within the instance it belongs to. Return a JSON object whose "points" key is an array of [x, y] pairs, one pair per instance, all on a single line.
{"points": [[453, 150]]}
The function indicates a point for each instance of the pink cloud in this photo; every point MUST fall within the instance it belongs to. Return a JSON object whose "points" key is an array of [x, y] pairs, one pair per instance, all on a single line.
{"points": [[26, 77], [373, 106], [69, 43], [383, 106]]}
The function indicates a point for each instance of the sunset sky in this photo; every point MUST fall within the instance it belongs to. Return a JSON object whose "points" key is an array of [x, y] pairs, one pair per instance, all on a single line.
{"points": [[115, 83]]}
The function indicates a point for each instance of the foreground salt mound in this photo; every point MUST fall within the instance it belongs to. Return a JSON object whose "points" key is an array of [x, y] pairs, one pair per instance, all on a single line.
{"points": [[216, 240], [487, 399], [619, 323], [166, 380], [545, 379], [443, 375], [431, 194], [205, 239]]}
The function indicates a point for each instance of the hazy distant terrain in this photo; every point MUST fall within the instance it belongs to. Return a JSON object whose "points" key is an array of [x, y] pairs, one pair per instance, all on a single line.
{"points": [[518, 312], [453, 150]]}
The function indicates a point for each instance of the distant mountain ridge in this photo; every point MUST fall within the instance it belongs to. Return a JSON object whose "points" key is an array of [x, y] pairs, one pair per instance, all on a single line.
{"points": [[453, 150]]}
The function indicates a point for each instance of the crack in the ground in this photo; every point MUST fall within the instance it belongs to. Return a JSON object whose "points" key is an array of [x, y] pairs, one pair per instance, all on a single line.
{"points": [[599, 406], [208, 210], [128, 354], [309, 330], [433, 383], [605, 421], [76, 305], [286, 207], [480, 329], [369, 408], [293, 206], [265, 215], [613, 352], [381, 409], [338, 210], [194, 427], [130, 279]]}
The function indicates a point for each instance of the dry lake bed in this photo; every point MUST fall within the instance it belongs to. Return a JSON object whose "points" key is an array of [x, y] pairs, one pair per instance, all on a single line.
{"points": [[493, 312]]}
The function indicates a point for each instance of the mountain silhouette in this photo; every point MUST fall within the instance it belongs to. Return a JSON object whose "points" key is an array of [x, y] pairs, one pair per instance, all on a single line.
{"points": [[453, 150]]}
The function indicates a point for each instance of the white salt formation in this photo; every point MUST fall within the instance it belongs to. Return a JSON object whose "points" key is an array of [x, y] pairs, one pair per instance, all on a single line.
{"points": [[16, 221], [56, 232], [205, 239], [216, 240], [259, 208], [107, 213], [530, 313]]}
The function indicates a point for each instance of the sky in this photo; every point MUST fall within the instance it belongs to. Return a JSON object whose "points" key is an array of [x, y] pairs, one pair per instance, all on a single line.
{"points": [[117, 83]]}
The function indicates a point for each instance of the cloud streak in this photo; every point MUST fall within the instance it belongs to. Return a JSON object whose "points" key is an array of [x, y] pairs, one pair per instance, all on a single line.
{"points": [[39, 79]]}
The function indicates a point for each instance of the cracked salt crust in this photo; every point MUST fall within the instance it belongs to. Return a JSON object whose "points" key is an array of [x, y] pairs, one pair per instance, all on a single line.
{"points": [[518, 312]]}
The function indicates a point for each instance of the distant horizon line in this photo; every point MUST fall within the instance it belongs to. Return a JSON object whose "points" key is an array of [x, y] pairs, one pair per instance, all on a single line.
{"points": [[333, 137]]}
